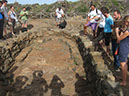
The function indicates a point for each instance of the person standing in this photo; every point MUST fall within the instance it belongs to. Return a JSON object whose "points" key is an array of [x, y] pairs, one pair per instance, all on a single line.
{"points": [[24, 17], [117, 23], [12, 18], [109, 24], [5, 11], [100, 29], [123, 39], [59, 15], [91, 20], [1, 21]]}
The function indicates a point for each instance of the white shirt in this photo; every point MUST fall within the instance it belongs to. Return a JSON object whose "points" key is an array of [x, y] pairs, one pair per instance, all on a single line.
{"points": [[59, 13], [92, 14], [13, 15], [102, 20], [5, 11]]}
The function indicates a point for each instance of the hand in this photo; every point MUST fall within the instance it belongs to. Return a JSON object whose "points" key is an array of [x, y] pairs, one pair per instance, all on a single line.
{"points": [[117, 30], [24, 14], [90, 19]]}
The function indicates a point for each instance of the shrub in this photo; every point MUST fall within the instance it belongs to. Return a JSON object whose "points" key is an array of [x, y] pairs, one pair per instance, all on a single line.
{"points": [[82, 8], [115, 2]]}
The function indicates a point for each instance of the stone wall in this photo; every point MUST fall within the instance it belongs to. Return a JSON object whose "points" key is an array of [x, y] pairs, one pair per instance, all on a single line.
{"points": [[10, 48], [99, 76]]}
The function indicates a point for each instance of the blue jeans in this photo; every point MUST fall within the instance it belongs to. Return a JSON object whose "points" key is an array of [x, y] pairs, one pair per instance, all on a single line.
{"points": [[116, 57]]}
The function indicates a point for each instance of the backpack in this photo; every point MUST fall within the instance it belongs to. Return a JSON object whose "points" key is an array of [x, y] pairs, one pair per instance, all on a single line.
{"points": [[62, 25]]}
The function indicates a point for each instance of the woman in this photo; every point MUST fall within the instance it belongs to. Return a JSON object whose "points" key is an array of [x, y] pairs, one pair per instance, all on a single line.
{"points": [[123, 39], [12, 18]]}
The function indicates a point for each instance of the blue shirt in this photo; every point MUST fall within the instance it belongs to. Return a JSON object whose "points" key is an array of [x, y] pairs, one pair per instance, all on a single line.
{"points": [[108, 23], [1, 17]]}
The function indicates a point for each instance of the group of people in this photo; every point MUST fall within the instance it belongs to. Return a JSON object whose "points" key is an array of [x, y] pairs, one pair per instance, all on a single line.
{"points": [[103, 25], [9, 18], [115, 30]]}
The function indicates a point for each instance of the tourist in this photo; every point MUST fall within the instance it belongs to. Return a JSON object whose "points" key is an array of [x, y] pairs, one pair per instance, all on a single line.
{"points": [[109, 24], [100, 29], [123, 38], [117, 23], [12, 18], [1, 21], [91, 20], [59, 15], [5, 11], [24, 17]]}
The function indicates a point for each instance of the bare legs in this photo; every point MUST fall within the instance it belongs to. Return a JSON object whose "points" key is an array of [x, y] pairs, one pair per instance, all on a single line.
{"points": [[108, 49], [124, 72], [11, 29], [85, 30], [5, 31]]}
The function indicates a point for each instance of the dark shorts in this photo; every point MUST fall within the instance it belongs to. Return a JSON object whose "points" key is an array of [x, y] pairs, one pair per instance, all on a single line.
{"points": [[107, 38], [123, 50], [99, 31], [92, 25], [123, 56]]}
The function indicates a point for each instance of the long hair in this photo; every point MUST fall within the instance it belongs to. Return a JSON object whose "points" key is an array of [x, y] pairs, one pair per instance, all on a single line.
{"points": [[126, 18]]}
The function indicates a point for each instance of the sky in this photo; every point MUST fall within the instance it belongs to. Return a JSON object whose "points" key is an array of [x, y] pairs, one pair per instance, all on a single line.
{"points": [[35, 1]]}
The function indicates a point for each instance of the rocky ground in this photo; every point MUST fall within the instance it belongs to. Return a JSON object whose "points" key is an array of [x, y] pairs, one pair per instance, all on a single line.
{"points": [[52, 65]]}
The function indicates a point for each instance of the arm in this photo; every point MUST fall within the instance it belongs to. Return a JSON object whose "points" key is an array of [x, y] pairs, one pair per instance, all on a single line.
{"points": [[88, 19], [62, 12], [55, 14], [111, 22], [122, 35], [22, 14], [112, 26]]}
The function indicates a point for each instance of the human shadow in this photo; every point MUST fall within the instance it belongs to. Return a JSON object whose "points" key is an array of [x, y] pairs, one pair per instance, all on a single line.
{"points": [[6, 80], [7, 77], [37, 87], [17, 87], [82, 87], [56, 85]]}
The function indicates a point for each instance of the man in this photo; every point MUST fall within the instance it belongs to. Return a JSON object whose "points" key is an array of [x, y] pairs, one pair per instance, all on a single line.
{"points": [[59, 15], [117, 23], [1, 21], [109, 24], [92, 17], [5, 11], [24, 17], [100, 29]]}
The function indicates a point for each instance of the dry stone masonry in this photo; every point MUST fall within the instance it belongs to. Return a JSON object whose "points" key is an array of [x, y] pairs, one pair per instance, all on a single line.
{"points": [[100, 78]]}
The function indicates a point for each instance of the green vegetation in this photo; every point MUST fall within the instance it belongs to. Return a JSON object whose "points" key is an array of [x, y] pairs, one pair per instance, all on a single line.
{"points": [[115, 2], [82, 8]]}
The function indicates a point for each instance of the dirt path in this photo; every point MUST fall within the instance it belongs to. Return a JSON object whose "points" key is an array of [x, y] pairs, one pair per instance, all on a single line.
{"points": [[47, 67]]}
